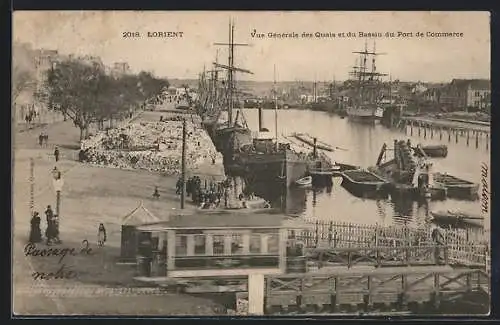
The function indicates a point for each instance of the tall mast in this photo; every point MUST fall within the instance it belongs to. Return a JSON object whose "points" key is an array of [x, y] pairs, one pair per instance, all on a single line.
{"points": [[366, 77], [275, 109], [390, 89], [230, 68]]}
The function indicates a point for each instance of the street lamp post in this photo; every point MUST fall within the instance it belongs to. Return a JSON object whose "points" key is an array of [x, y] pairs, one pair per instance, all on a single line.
{"points": [[58, 183]]}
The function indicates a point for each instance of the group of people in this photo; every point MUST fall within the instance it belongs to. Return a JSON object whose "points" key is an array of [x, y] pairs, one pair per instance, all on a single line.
{"points": [[210, 195], [52, 230], [43, 139], [30, 116]]}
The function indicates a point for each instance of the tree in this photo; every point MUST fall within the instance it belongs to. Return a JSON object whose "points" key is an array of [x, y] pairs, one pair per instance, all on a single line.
{"points": [[151, 86], [73, 87], [23, 70]]}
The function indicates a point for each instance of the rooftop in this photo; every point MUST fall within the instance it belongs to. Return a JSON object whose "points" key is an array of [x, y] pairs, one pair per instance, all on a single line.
{"points": [[226, 219]]}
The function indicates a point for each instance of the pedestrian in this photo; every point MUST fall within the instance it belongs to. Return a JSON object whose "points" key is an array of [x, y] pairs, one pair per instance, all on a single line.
{"points": [[46, 139], [49, 213], [156, 193], [101, 235], [55, 229], [40, 139], [56, 153], [438, 240], [35, 231]]}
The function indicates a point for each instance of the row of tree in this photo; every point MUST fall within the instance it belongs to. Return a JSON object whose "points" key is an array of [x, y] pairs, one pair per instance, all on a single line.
{"points": [[84, 93]]}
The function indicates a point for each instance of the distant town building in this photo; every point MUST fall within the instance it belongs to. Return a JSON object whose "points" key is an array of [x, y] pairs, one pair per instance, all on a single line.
{"points": [[418, 88], [119, 69], [463, 94]]}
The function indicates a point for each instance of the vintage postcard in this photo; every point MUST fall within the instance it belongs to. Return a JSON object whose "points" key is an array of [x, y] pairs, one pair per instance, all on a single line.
{"points": [[251, 163]]}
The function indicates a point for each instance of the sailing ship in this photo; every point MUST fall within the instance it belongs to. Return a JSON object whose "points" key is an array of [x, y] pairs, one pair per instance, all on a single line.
{"points": [[228, 134], [365, 106]]}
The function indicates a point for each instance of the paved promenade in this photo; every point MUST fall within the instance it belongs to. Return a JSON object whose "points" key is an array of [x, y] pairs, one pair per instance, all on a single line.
{"points": [[91, 195]]}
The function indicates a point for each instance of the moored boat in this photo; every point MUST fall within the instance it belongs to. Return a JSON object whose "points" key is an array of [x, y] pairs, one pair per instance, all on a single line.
{"points": [[305, 181], [457, 187], [363, 183], [457, 219], [436, 151]]}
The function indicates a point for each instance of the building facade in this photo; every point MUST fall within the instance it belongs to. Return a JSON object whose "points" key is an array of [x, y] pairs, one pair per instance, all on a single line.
{"points": [[461, 95]]}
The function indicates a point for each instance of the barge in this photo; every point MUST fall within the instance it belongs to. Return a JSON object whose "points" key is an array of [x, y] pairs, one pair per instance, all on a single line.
{"points": [[408, 176], [456, 187], [435, 151], [456, 219], [364, 183]]}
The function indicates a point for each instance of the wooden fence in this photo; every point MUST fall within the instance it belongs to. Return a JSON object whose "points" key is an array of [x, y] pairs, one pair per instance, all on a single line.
{"points": [[465, 246]]}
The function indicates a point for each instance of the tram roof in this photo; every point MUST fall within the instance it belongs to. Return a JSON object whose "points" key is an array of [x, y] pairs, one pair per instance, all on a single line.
{"points": [[226, 220]]}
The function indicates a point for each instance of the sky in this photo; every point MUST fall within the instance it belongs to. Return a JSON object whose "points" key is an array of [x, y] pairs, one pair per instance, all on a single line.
{"points": [[409, 58]]}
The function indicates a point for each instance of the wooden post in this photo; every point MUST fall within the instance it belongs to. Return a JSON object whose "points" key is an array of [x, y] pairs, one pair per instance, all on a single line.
{"points": [[425, 131], [404, 288], [334, 295], [477, 139], [256, 283], [436, 299], [449, 135], [330, 234], [316, 239], [487, 141], [467, 137], [411, 128], [432, 131], [170, 250], [456, 136], [283, 234], [368, 297], [440, 134], [183, 172], [419, 129]]}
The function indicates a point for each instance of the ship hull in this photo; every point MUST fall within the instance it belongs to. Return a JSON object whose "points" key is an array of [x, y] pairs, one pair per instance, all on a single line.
{"points": [[270, 175], [365, 114], [228, 141]]}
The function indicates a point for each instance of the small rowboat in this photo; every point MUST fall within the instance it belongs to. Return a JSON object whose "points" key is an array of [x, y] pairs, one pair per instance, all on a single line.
{"points": [[457, 219], [305, 181]]}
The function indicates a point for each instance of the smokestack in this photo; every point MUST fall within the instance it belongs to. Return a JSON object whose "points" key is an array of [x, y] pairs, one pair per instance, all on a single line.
{"points": [[261, 119]]}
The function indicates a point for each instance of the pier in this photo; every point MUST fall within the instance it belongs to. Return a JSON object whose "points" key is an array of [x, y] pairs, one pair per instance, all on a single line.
{"points": [[477, 134], [372, 269]]}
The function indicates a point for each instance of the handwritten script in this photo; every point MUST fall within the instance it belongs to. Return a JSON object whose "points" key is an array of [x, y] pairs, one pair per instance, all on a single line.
{"points": [[485, 192], [63, 272]]}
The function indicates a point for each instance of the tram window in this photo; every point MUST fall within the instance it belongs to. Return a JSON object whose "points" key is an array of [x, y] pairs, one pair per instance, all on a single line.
{"points": [[236, 244], [273, 243], [218, 247], [255, 244], [180, 245], [199, 245]]}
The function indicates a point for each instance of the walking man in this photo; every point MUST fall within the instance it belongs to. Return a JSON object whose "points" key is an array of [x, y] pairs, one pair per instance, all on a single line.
{"points": [[101, 235], [49, 232], [56, 153], [439, 242]]}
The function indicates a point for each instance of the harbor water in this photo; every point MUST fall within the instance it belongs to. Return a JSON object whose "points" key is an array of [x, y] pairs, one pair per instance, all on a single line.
{"points": [[360, 145]]}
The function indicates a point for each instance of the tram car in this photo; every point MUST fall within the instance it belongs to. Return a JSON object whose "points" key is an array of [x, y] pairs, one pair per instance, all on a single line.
{"points": [[218, 244]]}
